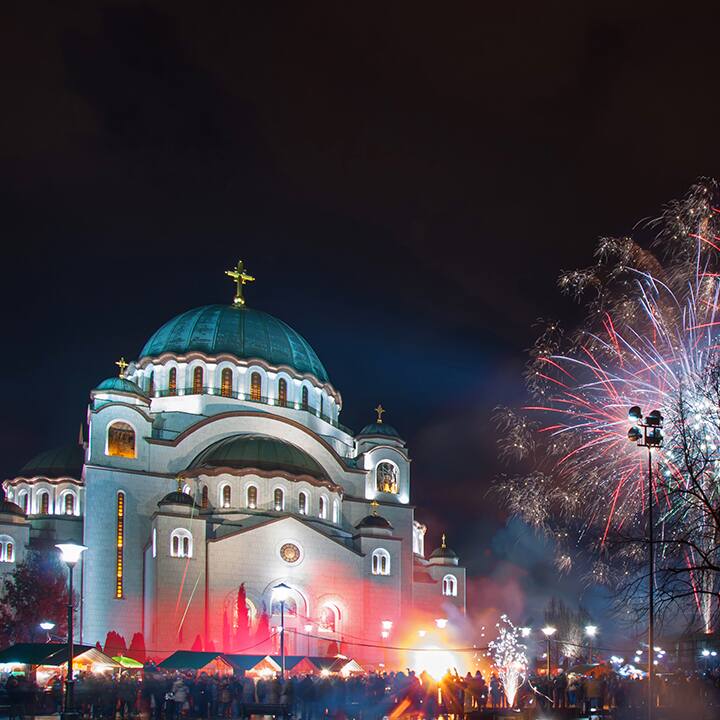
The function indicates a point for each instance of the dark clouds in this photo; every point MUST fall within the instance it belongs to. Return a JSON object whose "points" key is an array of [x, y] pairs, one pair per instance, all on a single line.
{"points": [[405, 181]]}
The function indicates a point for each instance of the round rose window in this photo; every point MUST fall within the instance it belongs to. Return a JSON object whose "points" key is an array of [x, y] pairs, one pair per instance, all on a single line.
{"points": [[290, 553]]}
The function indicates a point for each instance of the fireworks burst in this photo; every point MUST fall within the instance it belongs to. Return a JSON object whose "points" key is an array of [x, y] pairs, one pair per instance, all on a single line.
{"points": [[509, 658], [651, 338]]}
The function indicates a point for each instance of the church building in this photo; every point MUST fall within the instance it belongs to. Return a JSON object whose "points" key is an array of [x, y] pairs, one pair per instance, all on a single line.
{"points": [[216, 467]]}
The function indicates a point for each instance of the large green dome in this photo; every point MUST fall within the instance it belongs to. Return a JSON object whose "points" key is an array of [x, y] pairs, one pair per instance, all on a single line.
{"points": [[66, 461], [258, 451], [239, 331]]}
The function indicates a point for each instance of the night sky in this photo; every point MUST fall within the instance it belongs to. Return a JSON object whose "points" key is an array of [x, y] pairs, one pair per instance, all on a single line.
{"points": [[405, 180]]}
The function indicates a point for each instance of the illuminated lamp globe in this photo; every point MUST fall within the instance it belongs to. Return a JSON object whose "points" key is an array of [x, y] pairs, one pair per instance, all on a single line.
{"points": [[281, 592], [635, 414], [634, 434], [591, 630], [705, 653], [47, 625], [70, 552], [549, 631]]}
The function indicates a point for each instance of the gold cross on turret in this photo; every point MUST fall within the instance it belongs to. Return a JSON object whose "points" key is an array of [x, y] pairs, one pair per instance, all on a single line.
{"points": [[374, 505], [380, 410], [122, 364], [241, 278], [442, 544]]}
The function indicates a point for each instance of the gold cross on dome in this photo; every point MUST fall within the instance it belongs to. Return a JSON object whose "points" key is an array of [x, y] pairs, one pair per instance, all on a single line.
{"points": [[380, 410], [122, 364], [241, 278], [374, 505], [443, 545]]}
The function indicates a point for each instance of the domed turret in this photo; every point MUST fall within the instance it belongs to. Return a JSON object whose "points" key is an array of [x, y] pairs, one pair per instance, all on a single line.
{"points": [[121, 385], [379, 430], [373, 523], [443, 555], [177, 497], [10, 510]]}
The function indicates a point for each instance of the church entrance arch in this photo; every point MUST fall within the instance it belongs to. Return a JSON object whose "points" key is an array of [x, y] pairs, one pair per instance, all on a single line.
{"points": [[296, 613], [238, 627]]}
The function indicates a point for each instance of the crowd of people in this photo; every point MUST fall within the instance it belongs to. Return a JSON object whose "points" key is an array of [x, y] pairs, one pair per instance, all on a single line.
{"points": [[153, 695]]}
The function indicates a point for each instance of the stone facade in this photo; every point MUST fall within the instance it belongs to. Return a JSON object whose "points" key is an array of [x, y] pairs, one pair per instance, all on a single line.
{"points": [[203, 472]]}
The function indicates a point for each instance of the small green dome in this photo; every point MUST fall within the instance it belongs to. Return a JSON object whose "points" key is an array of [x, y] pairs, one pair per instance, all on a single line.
{"points": [[380, 429], [177, 498], [239, 331], [258, 451], [66, 461], [376, 522], [8, 507], [119, 384]]}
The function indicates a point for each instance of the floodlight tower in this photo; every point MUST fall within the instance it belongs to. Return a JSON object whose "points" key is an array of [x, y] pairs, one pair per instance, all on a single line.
{"points": [[647, 432]]}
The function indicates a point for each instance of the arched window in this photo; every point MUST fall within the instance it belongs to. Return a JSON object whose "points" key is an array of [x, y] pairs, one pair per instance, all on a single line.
{"points": [[43, 502], [305, 402], [172, 381], [449, 586], [7, 549], [151, 384], [69, 503], [252, 497], [154, 542], [24, 501], [204, 502], [226, 382], [121, 440], [279, 499], [181, 543], [197, 387], [336, 512], [380, 562], [226, 496], [255, 387], [120, 545], [302, 503], [386, 477], [282, 392], [329, 619], [322, 510]]}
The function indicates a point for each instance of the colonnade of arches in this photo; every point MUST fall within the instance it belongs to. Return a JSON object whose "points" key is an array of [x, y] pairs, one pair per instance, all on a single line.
{"points": [[46, 500]]}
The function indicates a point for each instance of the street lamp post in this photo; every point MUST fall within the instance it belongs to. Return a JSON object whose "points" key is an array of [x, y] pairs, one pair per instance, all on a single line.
{"points": [[70, 553], [548, 632], [308, 630], [647, 432], [280, 593], [590, 631], [47, 626]]}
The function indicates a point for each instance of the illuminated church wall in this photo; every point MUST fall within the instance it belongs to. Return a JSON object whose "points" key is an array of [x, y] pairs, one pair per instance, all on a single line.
{"points": [[174, 445]]}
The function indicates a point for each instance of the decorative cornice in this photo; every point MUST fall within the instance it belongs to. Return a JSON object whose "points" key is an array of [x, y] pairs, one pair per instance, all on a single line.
{"points": [[266, 416], [95, 391], [43, 478], [114, 403], [143, 362], [268, 474]]}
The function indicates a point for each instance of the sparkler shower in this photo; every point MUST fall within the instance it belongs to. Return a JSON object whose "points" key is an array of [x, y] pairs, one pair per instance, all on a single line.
{"points": [[650, 338], [509, 658]]}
